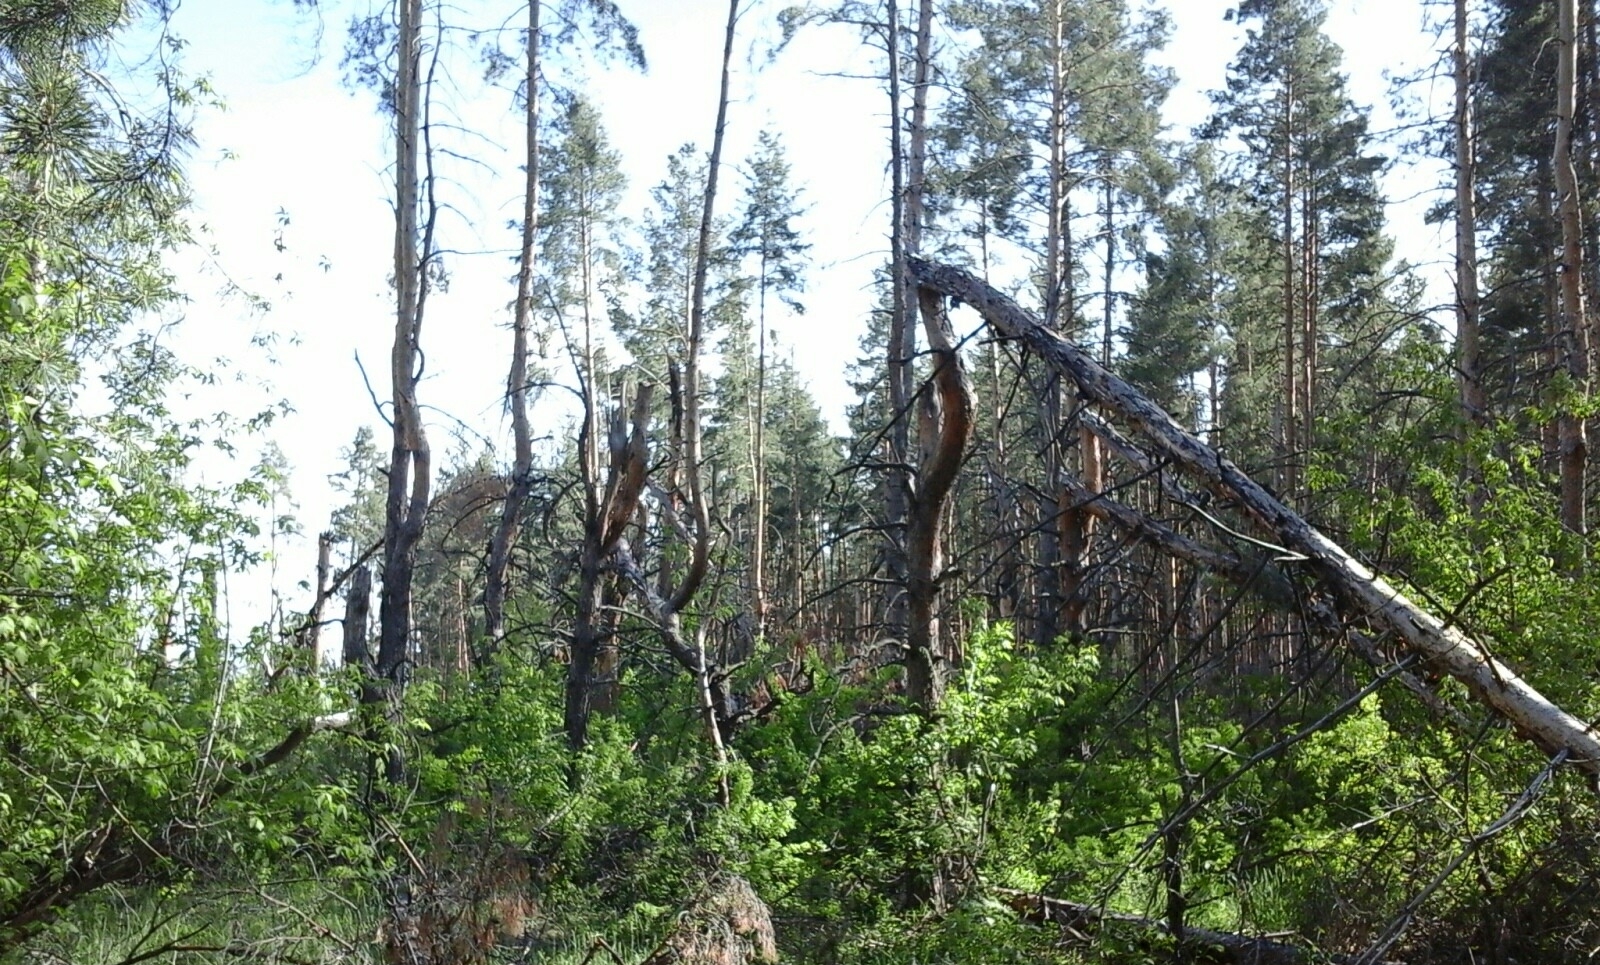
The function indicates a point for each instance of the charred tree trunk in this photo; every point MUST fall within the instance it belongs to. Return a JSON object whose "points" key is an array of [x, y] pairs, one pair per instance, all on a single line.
{"points": [[587, 637], [324, 570]]}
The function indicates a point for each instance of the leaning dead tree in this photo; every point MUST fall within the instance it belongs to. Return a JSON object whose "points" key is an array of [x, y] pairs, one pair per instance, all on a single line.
{"points": [[1359, 593]]}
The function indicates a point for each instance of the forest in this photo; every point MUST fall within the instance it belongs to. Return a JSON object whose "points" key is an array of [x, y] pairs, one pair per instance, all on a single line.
{"points": [[1191, 580]]}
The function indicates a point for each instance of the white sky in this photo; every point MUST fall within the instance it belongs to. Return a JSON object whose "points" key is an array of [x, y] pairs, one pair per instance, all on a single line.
{"points": [[292, 139]]}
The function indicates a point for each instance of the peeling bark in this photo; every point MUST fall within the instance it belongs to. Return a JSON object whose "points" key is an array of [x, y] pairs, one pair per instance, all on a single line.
{"points": [[945, 428]]}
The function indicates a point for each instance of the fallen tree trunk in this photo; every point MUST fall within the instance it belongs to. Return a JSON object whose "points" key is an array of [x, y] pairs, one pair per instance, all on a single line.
{"points": [[1358, 589], [1221, 947], [1267, 580]]}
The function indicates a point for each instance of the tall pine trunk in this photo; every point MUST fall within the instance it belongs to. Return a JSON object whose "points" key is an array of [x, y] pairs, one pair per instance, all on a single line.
{"points": [[900, 351], [1573, 329], [1287, 432], [505, 534], [406, 501], [1474, 409], [758, 465], [944, 419], [1055, 584]]}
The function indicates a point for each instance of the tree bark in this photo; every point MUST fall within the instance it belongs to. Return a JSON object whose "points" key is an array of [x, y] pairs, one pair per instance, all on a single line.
{"points": [[946, 427], [505, 535], [1057, 580], [1469, 378], [1574, 325], [758, 466], [701, 554], [1288, 433], [608, 514], [1360, 592], [406, 505], [899, 350]]}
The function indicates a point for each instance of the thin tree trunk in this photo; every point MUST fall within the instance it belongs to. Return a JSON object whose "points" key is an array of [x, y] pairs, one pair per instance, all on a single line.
{"points": [[311, 638], [1287, 433], [1109, 293], [1469, 377], [1549, 356], [587, 634], [1309, 306], [1574, 327], [758, 464], [406, 505], [505, 535], [1057, 585], [700, 511], [900, 350]]}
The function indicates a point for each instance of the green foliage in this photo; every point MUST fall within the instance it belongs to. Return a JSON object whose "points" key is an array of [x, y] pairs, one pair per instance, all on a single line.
{"points": [[1181, 753], [127, 719]]}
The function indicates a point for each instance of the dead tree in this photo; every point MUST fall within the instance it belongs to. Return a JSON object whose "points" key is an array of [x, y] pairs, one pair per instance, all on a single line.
{"points": [[505, 536], [900, 350], [667, 605], [1359, 594], [944, 428], [406, 501], [608, 509]]}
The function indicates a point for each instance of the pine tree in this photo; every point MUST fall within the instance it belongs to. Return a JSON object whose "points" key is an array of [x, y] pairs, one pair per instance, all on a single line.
{"points": [[767, 235], [1055, 131], [1516, 191], [1311, 274], [1172, 327]]}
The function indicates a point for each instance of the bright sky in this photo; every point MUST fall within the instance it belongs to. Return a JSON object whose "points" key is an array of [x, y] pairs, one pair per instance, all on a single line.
{"points": [[292, 189]]}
